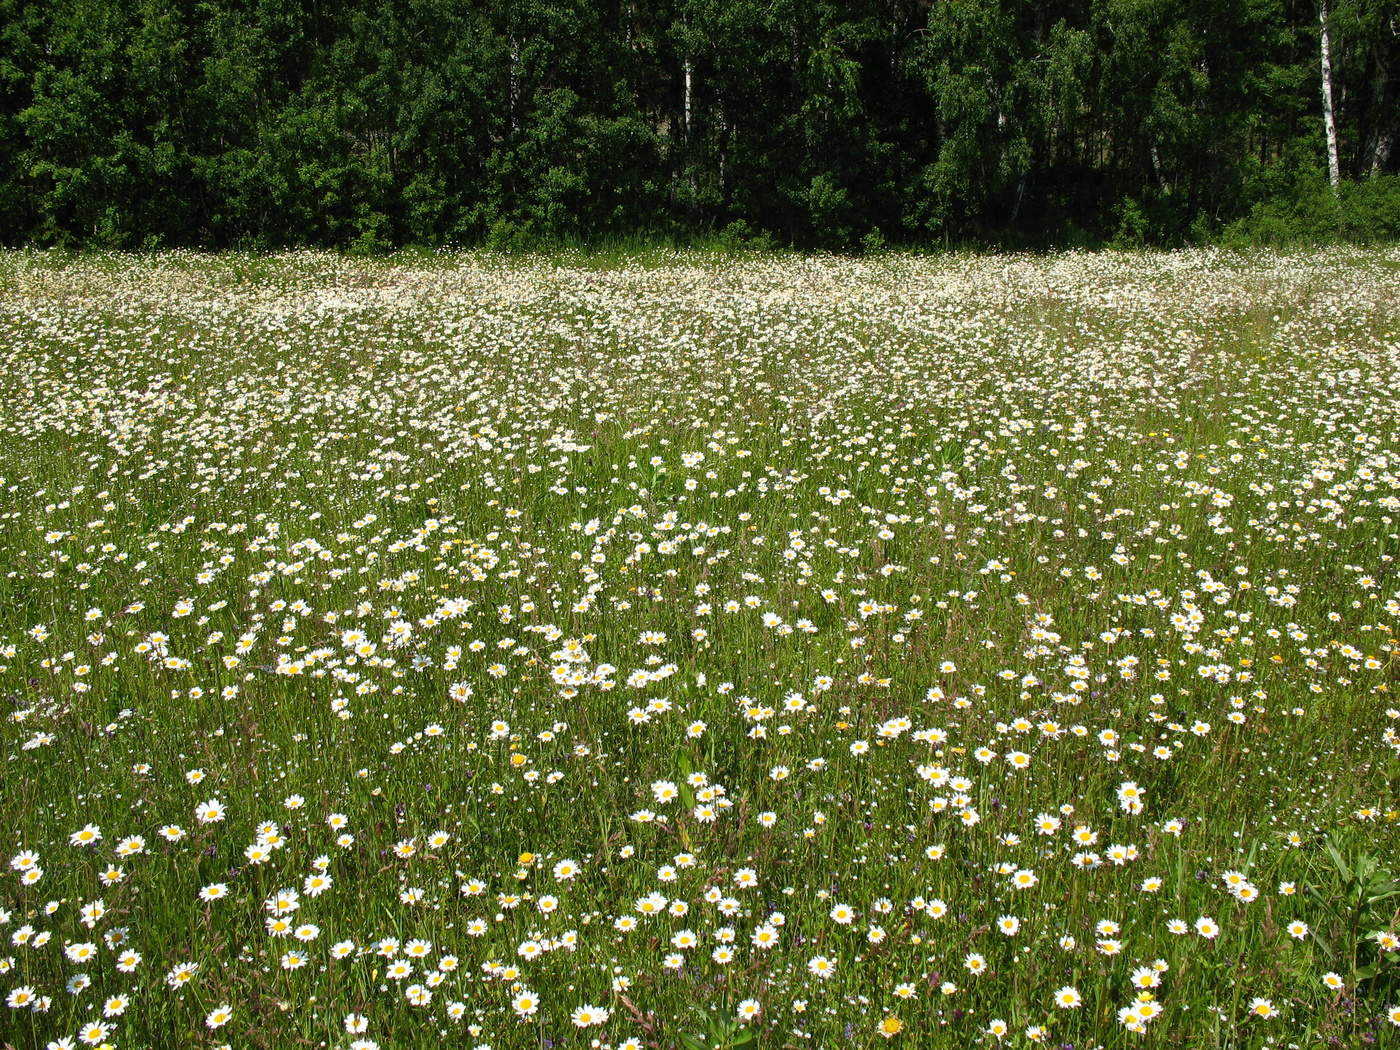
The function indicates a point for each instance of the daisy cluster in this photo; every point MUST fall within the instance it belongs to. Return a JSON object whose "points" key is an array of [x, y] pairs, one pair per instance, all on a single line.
{"points": [[966, 651]]}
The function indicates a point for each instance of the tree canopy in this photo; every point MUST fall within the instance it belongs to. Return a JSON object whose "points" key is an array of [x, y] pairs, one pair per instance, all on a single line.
{"points": [[266, 123]]}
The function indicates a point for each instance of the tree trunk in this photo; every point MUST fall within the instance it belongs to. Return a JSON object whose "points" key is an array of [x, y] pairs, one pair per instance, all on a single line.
{"points": [[1157, 169], [1334, 173], [1385, 128], [686, 99], [1016, 207], [690, 160], [512, 58]]}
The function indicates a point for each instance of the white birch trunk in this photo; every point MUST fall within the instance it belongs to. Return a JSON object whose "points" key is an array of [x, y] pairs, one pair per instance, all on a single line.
{"points": [[1334, 172], [686, 103], [686, 117]]}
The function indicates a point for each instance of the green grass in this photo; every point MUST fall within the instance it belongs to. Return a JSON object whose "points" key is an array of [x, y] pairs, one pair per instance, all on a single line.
{"points": [[1123, 519]]}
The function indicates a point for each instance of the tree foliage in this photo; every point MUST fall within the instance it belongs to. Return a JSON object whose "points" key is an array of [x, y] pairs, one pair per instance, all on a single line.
{"points": [[262, 123]]}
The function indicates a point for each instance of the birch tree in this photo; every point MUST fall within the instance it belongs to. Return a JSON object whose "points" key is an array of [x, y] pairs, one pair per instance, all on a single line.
{"points": [[1329, 122]]}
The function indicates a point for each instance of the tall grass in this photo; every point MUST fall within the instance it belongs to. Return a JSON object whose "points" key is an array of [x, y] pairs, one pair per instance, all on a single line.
{"points": [[716, 650]]}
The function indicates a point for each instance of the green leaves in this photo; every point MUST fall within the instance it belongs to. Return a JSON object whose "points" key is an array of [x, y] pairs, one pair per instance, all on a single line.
{"points": [[1360, 898], [721, 1033], [430, 122], [1363, 880]]}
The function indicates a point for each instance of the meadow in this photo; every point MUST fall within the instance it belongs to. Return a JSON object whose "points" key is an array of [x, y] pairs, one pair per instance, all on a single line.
{"points": [[692, 650]]}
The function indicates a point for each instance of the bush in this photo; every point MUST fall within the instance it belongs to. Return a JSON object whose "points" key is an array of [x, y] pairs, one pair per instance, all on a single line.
{"points": [[739, 236], [1359, 213], [510, 238], [873, 243], [1371, 210]]}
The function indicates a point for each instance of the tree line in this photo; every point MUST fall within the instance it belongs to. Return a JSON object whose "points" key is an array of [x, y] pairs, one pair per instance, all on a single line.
{"points": [[816, 123]]}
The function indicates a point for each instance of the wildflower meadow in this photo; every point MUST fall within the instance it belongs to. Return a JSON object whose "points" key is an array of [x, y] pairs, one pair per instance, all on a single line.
{"points": [[700, 651]]}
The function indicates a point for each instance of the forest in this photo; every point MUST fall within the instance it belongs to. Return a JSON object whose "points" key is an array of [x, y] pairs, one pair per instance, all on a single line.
{"points": [[375, 124]]}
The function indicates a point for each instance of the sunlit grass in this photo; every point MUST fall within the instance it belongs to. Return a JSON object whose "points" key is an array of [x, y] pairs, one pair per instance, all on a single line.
{"points": [[703, 651]]}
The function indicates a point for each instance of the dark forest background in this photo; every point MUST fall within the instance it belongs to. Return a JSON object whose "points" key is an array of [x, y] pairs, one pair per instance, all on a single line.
{"points": [[376, 123]]}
